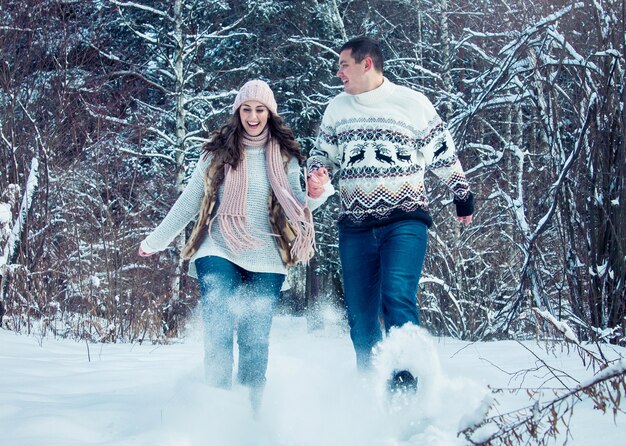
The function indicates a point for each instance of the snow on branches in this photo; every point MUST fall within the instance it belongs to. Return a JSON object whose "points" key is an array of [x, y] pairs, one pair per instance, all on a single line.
{"points": [[545, 418]]}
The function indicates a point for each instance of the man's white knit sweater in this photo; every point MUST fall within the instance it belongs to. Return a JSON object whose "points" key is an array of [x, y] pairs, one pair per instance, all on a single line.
{"points": [[380, 143], [266, 257]]}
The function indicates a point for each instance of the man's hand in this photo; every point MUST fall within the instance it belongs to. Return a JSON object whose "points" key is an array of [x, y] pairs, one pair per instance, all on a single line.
{"points": [[143, 253], [315, 182], [465, 220]]}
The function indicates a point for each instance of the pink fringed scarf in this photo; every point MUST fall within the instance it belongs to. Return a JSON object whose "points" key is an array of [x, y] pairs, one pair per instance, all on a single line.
{"points": [[231, 212]]}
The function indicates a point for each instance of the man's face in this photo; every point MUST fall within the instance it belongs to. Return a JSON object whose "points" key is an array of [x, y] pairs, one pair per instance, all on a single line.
{"points": [[351, 73]]}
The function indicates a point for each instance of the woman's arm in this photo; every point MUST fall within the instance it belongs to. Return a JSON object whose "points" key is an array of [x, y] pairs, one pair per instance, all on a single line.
{"points": [[185, 209]]}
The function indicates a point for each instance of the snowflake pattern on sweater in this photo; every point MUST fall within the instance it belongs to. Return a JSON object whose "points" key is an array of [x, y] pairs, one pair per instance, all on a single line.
{"points": [[380, 144]]}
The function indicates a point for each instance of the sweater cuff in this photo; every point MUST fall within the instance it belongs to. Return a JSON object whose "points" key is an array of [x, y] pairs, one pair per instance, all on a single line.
{"points": [[147, 248], [314, 203], [464, 207]]}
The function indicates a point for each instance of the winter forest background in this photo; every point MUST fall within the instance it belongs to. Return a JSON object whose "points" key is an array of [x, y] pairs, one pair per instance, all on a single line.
{"points": [[104, 106]]}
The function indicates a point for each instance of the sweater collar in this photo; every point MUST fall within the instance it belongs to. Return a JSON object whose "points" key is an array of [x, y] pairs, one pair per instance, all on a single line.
{"points": [[256, 141], [377, 95]]}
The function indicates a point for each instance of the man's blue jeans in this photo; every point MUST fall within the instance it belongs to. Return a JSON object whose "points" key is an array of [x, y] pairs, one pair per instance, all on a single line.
{"points": [[381, 271], [234, 297]]}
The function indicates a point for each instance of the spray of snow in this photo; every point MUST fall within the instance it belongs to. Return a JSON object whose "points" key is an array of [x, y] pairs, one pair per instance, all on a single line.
{"points": [[441, 405], [318, 397], [57, 392]]}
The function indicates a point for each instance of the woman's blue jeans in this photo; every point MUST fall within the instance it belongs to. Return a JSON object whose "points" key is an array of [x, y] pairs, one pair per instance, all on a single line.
{"points": [[236, 299], [381, 271]]}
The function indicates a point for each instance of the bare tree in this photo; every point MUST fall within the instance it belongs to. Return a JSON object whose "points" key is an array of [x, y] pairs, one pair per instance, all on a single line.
{"points": [[114, 99]]}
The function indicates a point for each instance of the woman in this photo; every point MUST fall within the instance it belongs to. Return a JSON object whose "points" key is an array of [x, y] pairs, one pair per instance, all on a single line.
{"points": [[252, 223]]}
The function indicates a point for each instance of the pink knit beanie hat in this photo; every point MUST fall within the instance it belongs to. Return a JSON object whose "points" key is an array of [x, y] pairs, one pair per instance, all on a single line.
{"points": [[256, 90]]}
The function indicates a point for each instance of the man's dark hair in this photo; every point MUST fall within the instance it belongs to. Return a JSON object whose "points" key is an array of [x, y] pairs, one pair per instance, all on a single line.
{"points": [[363, 46]]}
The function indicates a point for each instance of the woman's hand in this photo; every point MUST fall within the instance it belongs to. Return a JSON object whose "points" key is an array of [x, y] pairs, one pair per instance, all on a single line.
{"points": [[143, 253], [315, 182]]}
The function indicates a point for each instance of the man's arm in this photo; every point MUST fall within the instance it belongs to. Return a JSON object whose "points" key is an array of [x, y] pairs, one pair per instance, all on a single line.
{"points": [[446, 165], [324, 158], [440, 156]]}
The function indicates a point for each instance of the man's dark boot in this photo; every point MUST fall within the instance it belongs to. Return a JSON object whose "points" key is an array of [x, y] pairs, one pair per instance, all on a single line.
{"points": [[402, 381]]}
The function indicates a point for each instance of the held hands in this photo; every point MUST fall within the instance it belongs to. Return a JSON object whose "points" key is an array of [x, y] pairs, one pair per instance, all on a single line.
{"points": [[315, 182]]}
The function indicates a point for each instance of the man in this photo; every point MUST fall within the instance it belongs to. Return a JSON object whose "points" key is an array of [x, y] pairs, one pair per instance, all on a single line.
{"points": [[380, 138]]}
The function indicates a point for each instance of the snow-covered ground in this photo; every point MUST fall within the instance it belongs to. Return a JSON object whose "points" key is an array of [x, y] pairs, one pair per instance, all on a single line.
{"points": [[64, 393]]}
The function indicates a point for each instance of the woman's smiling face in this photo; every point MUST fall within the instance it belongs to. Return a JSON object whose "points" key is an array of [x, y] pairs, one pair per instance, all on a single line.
{"points": [[253, 115]]}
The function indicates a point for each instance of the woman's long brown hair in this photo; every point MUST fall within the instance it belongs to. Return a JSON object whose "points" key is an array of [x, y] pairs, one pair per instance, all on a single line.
{"points": [[226, 144]]}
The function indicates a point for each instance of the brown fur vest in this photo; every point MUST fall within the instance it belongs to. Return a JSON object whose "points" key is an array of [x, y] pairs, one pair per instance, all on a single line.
{"points": [[213, 178]]}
